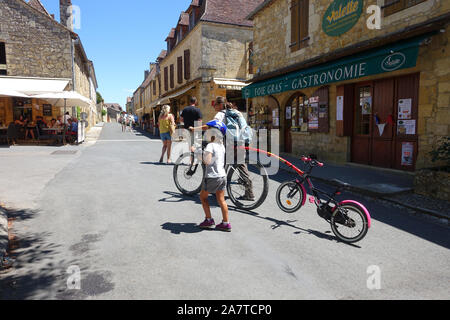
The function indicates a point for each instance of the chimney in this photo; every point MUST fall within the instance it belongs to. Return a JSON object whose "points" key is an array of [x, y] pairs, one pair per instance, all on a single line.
{"points": [[65, 11], [146, 73]]}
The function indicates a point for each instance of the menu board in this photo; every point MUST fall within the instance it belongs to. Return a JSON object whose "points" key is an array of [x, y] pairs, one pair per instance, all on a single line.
{"points": [[47, 110]]}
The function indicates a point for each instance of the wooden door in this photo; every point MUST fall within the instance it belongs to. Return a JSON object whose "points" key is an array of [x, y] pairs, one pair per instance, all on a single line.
{"points": [[383, 130], [406, 141], [363, 123]]}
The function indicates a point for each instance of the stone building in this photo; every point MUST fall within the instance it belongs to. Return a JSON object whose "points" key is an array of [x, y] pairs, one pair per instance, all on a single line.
{"points": [[207, 56], [341, 86], [44, 54]]}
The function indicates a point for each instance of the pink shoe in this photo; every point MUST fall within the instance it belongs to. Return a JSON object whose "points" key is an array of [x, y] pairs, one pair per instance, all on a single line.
{"points": [[207, 224], [224, 227]]}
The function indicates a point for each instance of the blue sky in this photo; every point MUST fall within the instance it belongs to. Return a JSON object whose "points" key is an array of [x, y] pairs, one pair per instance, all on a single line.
{"points": [[122, 38]]}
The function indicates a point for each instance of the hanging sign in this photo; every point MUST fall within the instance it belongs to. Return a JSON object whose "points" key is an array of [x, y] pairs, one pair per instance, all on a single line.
{"points": [[341, 16]]}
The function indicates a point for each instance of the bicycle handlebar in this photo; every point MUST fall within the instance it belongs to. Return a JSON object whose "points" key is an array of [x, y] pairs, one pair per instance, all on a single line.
{"points": [[312, 162]]}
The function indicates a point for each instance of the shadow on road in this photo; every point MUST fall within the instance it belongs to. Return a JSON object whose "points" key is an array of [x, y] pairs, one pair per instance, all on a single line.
{"points": [[22, 282], [179, 197], [289, 223], [179, 228]]}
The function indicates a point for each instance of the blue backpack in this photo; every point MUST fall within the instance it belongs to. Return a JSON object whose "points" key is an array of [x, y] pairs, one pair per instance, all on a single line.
{"points": [[237, 126]]}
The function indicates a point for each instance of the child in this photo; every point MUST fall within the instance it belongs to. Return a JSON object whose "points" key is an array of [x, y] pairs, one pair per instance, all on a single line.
{"points": [[215, 180]]}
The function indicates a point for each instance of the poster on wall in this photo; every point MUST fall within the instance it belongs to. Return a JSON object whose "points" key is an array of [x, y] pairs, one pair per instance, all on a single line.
{"points": [[407, 154], [313, 116], [340, 109], [407, 127], [405, 109]]}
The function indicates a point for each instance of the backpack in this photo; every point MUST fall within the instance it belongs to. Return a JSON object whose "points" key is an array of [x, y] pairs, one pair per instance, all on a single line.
{"points": [[237, 126]]}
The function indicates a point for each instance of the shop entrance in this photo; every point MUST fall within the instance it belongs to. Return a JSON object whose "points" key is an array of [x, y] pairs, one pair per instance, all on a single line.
{"points": [[385, 123]]}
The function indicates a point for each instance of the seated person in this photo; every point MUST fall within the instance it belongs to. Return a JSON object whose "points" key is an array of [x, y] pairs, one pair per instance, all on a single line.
{"points": [[41, 124]]}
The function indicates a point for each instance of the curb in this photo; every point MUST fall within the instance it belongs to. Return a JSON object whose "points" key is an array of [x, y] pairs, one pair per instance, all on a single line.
{"points": [[382, 196]]}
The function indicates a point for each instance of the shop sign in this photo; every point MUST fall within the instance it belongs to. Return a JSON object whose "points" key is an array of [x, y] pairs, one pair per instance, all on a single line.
{"points": [[393, 62], [341, 16], [389, 58]]}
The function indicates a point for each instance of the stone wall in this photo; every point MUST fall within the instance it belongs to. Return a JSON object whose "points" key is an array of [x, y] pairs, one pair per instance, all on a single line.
{"points": [[225, 47], [35, 45], [435, 184], [272, 52], [272, 30]]}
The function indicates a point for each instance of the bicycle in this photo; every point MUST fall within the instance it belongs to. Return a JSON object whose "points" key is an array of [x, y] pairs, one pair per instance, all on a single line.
{"points": [[350, 220], [247, 184]]}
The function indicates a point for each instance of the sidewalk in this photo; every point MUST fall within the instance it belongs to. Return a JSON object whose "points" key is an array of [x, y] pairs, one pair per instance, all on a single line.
{"points": [[384, 184]]}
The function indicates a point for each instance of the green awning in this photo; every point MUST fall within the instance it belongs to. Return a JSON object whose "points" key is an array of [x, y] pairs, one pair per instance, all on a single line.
{"points": [[389, 58]]}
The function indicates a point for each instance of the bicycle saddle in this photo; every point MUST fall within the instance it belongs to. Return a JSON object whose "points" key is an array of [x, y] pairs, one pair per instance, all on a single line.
{"points": [[341, 183]]}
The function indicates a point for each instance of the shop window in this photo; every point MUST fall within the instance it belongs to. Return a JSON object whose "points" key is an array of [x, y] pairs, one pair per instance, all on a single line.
{"points": [[3, 71], [393, 6], [309, 114], [299, 24], [363, 114]]}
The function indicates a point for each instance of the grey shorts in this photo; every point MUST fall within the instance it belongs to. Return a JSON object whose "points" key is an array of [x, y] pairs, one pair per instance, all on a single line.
{"points": [[213, 185]]}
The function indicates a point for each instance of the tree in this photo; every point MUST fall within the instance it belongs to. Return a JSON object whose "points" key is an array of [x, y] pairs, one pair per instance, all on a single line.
{"points": [[99, 98]]}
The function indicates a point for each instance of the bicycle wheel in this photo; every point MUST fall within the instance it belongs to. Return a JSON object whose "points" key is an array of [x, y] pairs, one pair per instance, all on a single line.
{"points": [[349, 223], [188, 174], [290, 197], [247, 185]]}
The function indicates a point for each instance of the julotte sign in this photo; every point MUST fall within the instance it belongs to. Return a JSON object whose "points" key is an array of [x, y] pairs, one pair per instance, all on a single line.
{"points": [[341, 16], [386, 59]]}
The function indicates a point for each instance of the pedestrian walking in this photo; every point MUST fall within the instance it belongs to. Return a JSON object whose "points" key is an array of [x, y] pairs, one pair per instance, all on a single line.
{"points": [[166, 123], [190, 116], [123, 122], [215, 180]]}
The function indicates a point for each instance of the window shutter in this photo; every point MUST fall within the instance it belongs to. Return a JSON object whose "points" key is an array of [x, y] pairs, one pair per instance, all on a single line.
{"points": [[180, 70], [166, 79], [304, 23], [172, 77], [154, 88], [294, 25], [187, 64], [2, 53]]}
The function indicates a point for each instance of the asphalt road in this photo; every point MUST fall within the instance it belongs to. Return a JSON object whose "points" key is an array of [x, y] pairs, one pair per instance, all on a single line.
{"points": [[114, 214]]}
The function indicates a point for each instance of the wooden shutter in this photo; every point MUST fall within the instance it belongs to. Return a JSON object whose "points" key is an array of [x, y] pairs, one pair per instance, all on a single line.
{"points": [[2, 53], [172, 76], [324, 110], [304, 23], [166, 79], [180, 70], [187, 64], [295, 26]]}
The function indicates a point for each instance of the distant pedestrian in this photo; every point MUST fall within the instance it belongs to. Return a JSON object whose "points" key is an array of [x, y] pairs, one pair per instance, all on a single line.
{"points": [[123, 122], [166, 123], [215, 180]]}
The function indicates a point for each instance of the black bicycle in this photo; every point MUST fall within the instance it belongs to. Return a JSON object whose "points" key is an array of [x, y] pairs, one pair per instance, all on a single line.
{"points": [[349, 219], [247, 184]]}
